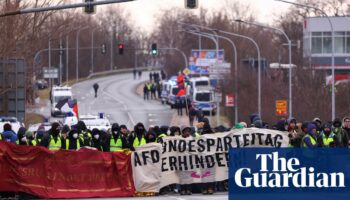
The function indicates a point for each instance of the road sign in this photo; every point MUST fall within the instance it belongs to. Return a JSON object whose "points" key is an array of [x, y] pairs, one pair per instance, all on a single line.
{"points": [[230, 102], [218, 70], [218, 97], [186, 71], [50, 73], [281, 107]]}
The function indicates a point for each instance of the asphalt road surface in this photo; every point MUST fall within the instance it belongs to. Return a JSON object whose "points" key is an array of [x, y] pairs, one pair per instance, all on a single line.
{"points": [[117, 98]]}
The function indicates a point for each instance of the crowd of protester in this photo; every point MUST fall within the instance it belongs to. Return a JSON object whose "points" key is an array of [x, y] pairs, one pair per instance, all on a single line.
{"points": [[310, 134]]}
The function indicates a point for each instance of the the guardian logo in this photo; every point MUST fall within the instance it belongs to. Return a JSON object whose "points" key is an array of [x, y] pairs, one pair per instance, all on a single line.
{"points": [[278, 172]]}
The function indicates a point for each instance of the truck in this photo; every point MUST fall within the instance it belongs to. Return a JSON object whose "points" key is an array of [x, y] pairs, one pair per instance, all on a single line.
{"points": [[57, 94]]}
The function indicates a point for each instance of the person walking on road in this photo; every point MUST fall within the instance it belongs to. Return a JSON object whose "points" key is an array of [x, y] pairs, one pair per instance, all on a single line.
{"points": [[140, 74], [192, 115], [95, 86], [178, 106], [134, 72], [150, 76], [153, 91], [145, 92]]}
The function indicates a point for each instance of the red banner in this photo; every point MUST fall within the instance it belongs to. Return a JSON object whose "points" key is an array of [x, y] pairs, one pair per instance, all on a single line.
{"points": [[65, 174]]}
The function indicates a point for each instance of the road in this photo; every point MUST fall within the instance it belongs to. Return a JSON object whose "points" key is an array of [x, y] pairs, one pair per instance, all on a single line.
{"points": [[117, 98]]}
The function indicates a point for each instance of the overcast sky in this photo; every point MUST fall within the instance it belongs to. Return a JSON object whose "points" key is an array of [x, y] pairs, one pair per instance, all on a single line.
{"points": [[143, 11]]}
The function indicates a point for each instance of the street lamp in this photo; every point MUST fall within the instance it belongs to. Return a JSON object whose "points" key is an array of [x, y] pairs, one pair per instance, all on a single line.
{"points": [[235, 57], [290, 58], [92, 48], [217, 50], [332, 30], [77, 52], [236, 70]]}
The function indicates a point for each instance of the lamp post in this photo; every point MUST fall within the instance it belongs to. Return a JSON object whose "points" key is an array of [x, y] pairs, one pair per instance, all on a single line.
{"points": [[259, 70], [290, 99], [77, 53], [332, 30], [217, 50], [235, 70], [92, 49]]}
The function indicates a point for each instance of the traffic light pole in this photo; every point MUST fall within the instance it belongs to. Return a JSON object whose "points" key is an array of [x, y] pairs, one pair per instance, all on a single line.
{"points": [[178, 50], [61, 7]]}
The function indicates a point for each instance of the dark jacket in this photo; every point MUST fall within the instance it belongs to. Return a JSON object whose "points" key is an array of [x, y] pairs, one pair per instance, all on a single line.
{"points": [[73, 142], [96, 143]]}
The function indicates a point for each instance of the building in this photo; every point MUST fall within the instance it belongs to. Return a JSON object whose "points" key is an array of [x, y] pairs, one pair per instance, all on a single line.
{"points": [[318, 43]]}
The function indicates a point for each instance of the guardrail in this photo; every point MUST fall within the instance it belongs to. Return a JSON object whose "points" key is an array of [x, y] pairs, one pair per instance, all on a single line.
{"points": [[120, 71]]}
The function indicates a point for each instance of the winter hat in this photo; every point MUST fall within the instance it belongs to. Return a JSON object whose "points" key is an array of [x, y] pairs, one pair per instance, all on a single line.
{"points": [[316, 119], [122, 126], [327, 125], [337, 123], [310, 127], [29, 134], [258, 124], [239, 126], [290, 120], [65, 129], [185, 128], [7, 127]]}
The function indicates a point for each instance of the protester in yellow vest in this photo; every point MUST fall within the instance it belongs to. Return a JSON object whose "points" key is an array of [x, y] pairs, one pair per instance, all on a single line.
{"points": [[327, 138], [114, 142], [163, 133], [73, 141], [21, 137], [84, 134], [31, 138], [52, 139], [310, 139], [139, 138]]}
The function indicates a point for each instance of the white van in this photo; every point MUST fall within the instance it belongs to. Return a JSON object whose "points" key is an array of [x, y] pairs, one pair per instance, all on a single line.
{"points": [[198, 83], [57, 94], [204, 99], [172, 95]]}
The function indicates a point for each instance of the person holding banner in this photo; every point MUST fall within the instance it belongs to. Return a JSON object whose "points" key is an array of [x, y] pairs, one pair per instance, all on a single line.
{"points": [[96, 140], [186, 189], [73, 142], [52, 140], [139, 138]]}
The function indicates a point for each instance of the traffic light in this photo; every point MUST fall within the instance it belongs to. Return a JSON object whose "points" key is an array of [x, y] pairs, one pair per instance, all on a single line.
{"points": [[191, 4], [154, 50], [121, 49], [89, 9], [103, 48]]}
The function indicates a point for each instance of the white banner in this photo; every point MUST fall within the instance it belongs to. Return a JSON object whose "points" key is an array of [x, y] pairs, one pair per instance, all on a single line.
{"points": [[195, 160]]}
